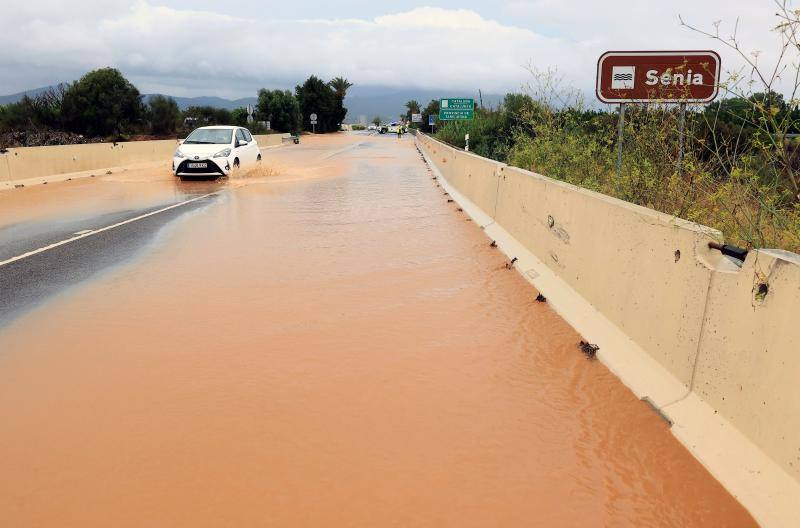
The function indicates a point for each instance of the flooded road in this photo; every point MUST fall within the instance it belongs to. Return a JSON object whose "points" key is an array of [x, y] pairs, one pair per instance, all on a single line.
{"points": [[327, 343]]}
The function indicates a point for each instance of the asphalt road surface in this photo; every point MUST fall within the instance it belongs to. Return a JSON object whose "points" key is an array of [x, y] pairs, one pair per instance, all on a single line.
{"points": [[41, 259]]}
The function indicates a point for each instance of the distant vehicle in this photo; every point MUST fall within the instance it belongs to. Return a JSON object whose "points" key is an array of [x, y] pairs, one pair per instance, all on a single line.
{"points": [[215, 151], [383, 129], [394, 126], [372, 127]]}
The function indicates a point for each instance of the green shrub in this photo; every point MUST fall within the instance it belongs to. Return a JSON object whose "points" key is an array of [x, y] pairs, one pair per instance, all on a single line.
{"points": [[727, 180], [103, 102], [163, 114]]}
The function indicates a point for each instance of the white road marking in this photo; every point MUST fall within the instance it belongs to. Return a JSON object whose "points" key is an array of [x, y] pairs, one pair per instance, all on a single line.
{"points": [[83, 232], [89, 233]]}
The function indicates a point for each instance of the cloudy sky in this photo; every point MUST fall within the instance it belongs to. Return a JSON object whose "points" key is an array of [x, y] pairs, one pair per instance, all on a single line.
{"points": [[229, 49]]}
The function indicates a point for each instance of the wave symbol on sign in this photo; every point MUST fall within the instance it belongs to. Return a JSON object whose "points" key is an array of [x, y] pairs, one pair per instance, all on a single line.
{"points": [[623, 77]]}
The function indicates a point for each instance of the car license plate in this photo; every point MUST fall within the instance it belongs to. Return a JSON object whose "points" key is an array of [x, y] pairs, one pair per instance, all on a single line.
{"points": [[198, 165]]}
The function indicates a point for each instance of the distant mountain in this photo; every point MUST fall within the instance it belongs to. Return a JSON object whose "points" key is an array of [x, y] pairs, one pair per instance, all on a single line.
{"points": [[216, 102], [389, 103], [362, 101], [13, 98], [183, 102]]}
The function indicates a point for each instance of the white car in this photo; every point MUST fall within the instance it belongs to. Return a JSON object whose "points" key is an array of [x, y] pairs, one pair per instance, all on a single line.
{"points": [[215, 151]]}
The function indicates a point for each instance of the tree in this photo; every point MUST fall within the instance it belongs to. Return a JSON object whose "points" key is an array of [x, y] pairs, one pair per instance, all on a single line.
{"points": [[431, 110], [413, 108], [376, 121], [239, 116], [101, 103], [340, 85], [164, 115], [317, 97], [41, 111], [280, 108], [208, 115]]}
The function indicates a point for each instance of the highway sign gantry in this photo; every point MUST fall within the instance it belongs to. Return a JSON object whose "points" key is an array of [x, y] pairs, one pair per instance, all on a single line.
{"points": [[456, 109]]}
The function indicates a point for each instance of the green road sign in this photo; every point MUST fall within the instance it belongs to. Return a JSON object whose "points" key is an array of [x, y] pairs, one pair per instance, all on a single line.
{"points": [[456, 109]]}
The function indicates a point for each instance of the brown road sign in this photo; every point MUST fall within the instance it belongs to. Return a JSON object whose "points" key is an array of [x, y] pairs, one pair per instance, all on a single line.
{"points": [[658, 76]]}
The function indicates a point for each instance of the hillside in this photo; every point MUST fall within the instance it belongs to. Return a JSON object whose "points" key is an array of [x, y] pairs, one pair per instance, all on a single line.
{"points": [[386, 102]]}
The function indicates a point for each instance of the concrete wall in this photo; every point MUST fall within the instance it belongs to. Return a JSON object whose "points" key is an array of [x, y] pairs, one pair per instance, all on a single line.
{"points": [[19, 165], [748, 368], [5, 176], [37, 162], [711, 325], [620, 257], [271, 140]]}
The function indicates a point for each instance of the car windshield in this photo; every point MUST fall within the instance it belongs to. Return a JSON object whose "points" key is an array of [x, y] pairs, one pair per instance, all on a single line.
{"points": [[209, 136]]}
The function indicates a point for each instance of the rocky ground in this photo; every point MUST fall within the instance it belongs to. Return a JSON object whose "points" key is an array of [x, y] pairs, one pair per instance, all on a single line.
{"points": [[38, 138]]}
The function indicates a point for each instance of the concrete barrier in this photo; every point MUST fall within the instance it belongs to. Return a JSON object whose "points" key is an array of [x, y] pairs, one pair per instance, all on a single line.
{"points": [[29, 163], [634, 265], [21, 166], [714, 348], [477, 178], [5, 176], [748, 366], [271, 140]]}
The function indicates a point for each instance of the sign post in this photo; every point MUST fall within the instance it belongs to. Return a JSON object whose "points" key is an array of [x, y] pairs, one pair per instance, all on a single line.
{"points": [[681, 127], [620, 137], [466, 142], [313, 118], [456, 109], [664, 77]]}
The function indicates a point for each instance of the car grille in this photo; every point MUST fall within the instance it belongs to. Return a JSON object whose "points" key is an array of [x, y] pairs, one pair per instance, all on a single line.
{"points": [[212, 168]]}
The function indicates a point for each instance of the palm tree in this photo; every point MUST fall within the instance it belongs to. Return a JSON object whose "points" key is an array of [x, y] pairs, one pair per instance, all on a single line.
{"points": [[340, 85], [413, 107]]}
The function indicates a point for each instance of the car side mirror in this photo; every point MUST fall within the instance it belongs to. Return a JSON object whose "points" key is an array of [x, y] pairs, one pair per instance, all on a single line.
{"points": [[241, 143]]}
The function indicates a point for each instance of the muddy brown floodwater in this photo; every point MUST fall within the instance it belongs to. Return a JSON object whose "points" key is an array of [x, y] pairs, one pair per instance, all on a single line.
{"points": [[329, 344]]}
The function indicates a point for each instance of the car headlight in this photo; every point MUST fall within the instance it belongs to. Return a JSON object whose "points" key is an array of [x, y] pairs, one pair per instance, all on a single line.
{"points": [[179, 154], [222, 153]]}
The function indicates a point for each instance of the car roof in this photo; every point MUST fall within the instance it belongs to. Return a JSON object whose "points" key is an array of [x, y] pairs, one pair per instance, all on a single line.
{"points": [[219, 127]]}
